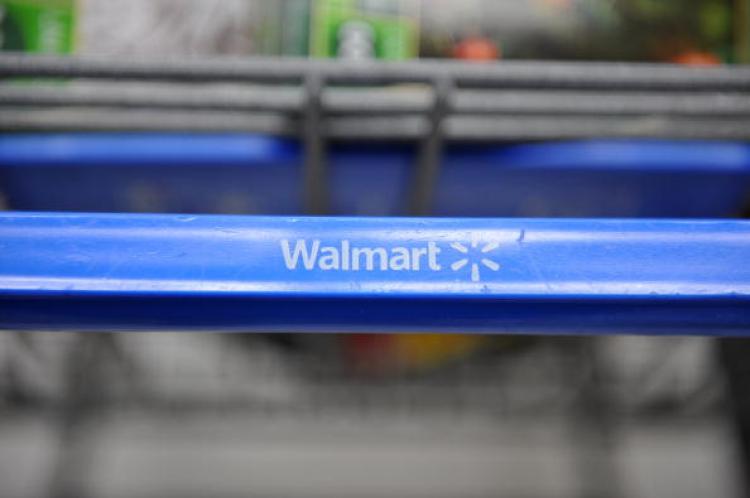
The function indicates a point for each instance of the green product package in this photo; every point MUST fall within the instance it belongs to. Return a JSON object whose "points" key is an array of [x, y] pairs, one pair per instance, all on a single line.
{"points": [[365, 29], [42, 26]]}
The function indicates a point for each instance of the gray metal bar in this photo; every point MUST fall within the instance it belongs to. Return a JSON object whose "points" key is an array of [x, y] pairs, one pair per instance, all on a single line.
{"points": [[391, 99], [401, 128], [504, 74], [410, 127], [550, 127], [431, 152], [313, 136], [155, 96], [114, 119], [481, 101], [394, 99]]}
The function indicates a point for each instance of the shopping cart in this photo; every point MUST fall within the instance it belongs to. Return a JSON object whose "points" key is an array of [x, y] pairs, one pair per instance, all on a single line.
{"points": [[648, 276], [593, 199]]}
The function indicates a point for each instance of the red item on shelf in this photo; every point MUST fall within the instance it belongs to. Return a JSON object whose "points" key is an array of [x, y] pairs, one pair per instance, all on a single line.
{"points": [[476, 48], [696, 58]]}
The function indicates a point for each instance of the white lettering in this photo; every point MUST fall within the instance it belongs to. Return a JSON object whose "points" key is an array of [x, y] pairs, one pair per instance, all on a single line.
{"points": [[329, 259], [300, 249], [433, 251], [343, 256], [369, 254], [417, 253], [400, 260]]}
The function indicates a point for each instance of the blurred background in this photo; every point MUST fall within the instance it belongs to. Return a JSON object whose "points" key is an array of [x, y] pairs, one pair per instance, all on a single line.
{"points": [[407, 415], [632, 30]]}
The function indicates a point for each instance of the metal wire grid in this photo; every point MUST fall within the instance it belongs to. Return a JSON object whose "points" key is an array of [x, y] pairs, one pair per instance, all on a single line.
{"points": [[90, 378], [428, 102]]}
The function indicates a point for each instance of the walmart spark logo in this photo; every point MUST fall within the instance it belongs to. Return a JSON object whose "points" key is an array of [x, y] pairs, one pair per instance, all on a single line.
{"points": [[476, 258]]}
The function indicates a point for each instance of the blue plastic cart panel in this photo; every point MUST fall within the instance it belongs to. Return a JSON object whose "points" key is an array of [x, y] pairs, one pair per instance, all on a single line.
{"points": [[183, 173], [596, 179], [263, 175], [134, 272]]}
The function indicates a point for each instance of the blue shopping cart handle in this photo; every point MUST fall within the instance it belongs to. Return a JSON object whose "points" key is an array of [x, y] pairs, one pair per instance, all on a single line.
{"points": [[150, 272]]}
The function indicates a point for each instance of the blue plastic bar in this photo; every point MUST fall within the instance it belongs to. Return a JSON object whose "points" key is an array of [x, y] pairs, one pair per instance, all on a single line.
{"points": [[150, 272], [257, 174]]}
